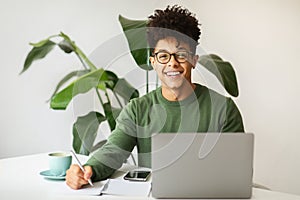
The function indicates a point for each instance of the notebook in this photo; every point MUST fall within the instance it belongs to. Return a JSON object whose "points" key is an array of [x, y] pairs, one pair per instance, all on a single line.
{"points": [[202, 165]]}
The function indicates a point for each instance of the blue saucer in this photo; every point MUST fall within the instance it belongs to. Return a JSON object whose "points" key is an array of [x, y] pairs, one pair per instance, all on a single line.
{"points": [[49, 175]]}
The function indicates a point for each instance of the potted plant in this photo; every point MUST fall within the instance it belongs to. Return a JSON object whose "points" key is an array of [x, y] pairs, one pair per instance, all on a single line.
{"points": [[92, 77]]}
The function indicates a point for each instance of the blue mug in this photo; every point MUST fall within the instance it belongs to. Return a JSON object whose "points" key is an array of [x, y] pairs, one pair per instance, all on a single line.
{"points": [[59, 163]]}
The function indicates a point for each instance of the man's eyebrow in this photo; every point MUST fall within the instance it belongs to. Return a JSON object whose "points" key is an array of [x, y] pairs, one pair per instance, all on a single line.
{"points": [[162, 50], [182, 49]]}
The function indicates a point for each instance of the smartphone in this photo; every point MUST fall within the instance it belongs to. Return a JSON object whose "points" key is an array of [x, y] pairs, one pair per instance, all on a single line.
{"points": [[136, 175]]}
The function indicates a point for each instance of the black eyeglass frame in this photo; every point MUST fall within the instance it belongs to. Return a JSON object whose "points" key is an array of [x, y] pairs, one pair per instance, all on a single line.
{"points": [[172, 54]]}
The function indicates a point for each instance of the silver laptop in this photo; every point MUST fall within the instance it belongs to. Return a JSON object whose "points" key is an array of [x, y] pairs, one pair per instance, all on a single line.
{"points": [[202, 165]]}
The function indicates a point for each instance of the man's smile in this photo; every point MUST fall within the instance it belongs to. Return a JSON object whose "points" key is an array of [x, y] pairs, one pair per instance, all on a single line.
{"points": [[173, 73]]}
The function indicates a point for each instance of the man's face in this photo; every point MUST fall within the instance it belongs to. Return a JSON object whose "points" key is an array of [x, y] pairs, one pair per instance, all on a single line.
{"points": [[174, 74]]}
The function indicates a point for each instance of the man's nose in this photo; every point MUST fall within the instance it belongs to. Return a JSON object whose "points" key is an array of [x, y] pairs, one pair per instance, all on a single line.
{"points": [[173, 61]]}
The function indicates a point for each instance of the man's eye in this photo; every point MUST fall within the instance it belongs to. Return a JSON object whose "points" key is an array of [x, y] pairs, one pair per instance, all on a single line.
{"points": [[163, 56], [181, 54]]}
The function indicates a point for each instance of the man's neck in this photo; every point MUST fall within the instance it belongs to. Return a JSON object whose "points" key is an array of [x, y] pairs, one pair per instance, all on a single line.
{"points": [[178, 94]]}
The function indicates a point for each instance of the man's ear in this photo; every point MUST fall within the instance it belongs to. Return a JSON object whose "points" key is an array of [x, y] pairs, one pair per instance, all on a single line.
{"points": [[195, 60], [152, 61]]}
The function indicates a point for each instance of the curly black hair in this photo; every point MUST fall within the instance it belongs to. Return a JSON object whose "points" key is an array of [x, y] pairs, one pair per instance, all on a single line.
{"points": [[175, 22]]}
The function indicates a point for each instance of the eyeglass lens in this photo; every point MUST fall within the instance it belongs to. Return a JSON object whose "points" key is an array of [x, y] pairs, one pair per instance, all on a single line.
{"points": [[165, 57]]}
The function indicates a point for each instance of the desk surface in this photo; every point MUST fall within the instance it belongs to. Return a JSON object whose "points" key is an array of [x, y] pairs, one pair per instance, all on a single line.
{"points": [[20, 179]]}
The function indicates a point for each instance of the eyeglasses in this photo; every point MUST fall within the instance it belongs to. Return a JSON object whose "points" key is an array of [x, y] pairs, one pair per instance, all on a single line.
{"points": [[164, 57]]}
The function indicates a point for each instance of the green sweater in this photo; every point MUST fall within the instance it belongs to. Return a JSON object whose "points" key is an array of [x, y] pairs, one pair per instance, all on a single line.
{"points": [[203, 111]]}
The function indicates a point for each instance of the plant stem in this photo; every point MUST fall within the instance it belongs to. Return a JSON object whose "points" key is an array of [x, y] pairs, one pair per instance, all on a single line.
{"points": [[147, 81], [147, 72], [78, 52], [118, 99], [108, 100], [84, 57], [84, 65], [99, 97]]}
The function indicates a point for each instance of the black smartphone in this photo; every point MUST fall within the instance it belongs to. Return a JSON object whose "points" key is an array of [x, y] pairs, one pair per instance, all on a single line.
{"points": [[137, 175]]}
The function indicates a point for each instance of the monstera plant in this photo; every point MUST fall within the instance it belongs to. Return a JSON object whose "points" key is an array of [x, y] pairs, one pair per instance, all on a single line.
{"points": [[92, 77]]}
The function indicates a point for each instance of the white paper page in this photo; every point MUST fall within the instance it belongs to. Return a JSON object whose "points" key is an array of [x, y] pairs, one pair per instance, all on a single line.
{"points": [[127, 188], [87, 190]]}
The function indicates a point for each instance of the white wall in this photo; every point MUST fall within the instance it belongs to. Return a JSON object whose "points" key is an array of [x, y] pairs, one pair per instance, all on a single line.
{"points": [[260, 38]]}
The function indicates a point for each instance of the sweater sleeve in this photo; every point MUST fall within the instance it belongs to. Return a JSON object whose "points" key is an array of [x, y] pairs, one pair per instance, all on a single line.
{"points": [[233, 120], [118, 147]]}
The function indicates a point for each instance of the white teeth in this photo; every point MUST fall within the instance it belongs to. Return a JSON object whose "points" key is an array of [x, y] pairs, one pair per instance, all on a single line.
{"points": [[172, 73]]}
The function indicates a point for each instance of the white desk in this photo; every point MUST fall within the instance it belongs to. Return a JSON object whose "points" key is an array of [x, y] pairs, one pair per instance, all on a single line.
{"points": [[20, 179]]}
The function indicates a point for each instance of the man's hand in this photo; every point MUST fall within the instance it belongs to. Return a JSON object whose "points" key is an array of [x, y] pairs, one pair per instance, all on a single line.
{"points": [[76, 178]]}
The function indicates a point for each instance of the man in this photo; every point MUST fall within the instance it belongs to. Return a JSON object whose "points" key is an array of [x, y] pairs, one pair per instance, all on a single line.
{"points": [[177, 106]]}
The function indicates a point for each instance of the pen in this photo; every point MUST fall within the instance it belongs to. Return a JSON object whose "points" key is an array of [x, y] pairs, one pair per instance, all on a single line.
{"points": [[81, 167]]}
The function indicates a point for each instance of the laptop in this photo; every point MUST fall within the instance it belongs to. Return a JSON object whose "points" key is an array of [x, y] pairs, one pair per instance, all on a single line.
{"points": [[202, 165]]}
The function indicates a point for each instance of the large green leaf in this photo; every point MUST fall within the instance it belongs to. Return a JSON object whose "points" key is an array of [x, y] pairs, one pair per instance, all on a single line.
{"points": [[111, 114], [81, 85], [39, 51], [42, 42], [121, 86], [126, 90], [222, 70], [135, 32], [65, 79], [66, 46], [85, 131]]}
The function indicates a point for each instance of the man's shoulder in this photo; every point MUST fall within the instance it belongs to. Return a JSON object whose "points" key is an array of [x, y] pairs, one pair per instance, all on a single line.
{"points": [[210, 96], [209, 92], [148, 98]]}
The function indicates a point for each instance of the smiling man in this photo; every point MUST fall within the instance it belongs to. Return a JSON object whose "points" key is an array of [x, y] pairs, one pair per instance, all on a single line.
{"points": [[174, 69], [177, 106]]}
